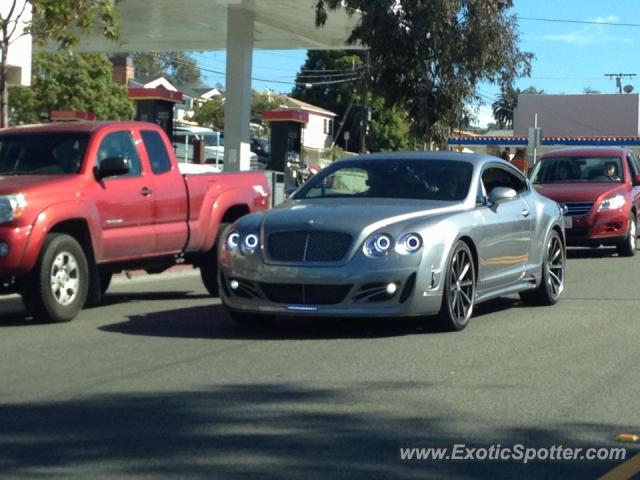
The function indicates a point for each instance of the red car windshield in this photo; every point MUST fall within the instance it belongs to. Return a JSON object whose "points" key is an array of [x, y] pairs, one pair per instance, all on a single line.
{"points": [[578, 170]]}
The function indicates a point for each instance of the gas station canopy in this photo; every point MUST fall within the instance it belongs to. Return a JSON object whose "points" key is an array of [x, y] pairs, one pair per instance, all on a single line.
{"points": [[170, 25], [237, 26]]}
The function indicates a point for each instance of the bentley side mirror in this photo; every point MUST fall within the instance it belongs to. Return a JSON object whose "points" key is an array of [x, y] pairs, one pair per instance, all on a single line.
{"points": [[500, 194]]}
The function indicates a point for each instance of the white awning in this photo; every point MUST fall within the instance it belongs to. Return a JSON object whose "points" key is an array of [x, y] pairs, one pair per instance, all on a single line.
{"points": [[171, 25]]}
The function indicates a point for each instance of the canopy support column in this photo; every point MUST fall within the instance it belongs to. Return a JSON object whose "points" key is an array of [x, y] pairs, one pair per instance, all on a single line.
{"points": [[237, 107]]}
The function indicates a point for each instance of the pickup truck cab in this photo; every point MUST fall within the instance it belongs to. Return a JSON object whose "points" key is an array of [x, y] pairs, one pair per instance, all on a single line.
{"points": [[599, 189], [81, 201]]}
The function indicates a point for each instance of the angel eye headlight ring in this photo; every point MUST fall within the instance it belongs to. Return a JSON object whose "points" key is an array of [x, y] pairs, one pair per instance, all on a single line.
{"points": [[409, 243], [378, 245]]}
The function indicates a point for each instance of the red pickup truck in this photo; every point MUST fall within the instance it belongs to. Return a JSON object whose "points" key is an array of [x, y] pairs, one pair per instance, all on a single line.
{"points": [[80, 202]]}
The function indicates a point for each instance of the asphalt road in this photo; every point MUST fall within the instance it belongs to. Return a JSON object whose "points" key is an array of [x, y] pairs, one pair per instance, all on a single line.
{"points": [[159, 383]]}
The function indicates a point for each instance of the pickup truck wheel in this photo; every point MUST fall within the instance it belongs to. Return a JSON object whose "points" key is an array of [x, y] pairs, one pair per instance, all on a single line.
{"points": [[628, 246], [56, 288], [209, 265]]}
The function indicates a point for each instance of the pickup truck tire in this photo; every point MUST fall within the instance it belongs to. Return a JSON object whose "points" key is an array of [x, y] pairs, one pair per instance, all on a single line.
{"points": [[627, 248], [209, 265], [56, 289]]}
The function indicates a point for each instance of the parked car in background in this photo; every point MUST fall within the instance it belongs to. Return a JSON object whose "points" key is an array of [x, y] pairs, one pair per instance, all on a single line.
{"points": [[261, 147], [82, 201], [600, 191], [402, 234], [184, 135]]}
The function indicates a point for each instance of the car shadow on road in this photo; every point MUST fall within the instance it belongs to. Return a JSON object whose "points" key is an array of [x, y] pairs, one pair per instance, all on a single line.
{"points": [[212, 321], [277, 431], [120, 297], [602, 252]]}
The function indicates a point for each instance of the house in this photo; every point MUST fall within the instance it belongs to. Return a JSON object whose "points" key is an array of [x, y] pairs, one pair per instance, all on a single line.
{"points": [[19, 55]]}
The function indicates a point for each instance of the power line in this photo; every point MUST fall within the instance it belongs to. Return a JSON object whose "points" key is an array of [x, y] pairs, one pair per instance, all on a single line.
{"points": [[307, 84], [581, 22]]}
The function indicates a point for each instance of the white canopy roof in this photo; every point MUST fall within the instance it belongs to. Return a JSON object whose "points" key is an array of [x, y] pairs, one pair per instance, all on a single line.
{"points": [[172, 25]]}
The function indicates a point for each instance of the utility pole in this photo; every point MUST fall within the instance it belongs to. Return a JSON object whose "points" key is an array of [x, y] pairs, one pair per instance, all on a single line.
{"points": [[619, 77], [365, 104]]}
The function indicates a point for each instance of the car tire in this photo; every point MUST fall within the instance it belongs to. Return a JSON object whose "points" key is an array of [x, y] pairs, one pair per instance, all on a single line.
{"points": [[209, 265], [459, 289], [627, 248], [57, 286], [553, 274], [251, 320]]}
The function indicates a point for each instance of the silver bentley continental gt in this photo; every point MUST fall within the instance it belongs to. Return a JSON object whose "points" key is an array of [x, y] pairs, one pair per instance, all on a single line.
{"points": [[396, 234]]}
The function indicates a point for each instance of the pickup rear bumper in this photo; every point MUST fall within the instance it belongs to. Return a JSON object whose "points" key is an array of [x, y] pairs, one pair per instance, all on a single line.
{"points": [[14, 241]]}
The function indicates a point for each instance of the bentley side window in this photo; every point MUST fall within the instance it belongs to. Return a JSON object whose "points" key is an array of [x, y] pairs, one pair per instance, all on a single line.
{"points": [[499, 177]]}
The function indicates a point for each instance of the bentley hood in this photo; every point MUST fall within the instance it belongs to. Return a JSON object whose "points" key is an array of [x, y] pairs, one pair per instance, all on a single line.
{"points": [[349, 215]]}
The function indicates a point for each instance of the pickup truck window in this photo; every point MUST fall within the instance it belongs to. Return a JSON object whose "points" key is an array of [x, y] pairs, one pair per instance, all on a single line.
{"points": [[42, 153], [158, 157], [120, 144]]}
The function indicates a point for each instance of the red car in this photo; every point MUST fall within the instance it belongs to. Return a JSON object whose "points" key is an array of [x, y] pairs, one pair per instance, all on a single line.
{"points": [[599, 190]]}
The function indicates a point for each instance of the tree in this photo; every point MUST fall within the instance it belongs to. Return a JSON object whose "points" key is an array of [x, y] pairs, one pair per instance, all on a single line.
{"points": [[177, 67], [263, 102], [428, 56], [506, 103], [210, 113], [67, 81], [60, 21], [333, 80]]}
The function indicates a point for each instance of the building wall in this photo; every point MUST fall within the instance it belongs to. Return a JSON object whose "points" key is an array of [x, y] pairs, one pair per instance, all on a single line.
{"points": [[579, 115], [318, 132], [19, 54]]}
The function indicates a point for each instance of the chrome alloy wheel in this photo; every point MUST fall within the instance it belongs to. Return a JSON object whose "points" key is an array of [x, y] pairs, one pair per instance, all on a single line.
{"points": [[64, 278], [462, 287], [555, 264], [633, 234]]}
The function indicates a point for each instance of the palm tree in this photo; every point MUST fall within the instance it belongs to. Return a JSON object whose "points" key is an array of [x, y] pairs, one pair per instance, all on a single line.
{"points": [[506, 103]]}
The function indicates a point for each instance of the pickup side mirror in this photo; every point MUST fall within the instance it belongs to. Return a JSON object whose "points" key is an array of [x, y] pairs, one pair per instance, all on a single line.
{"points": [[500, 194], [112, 167]]}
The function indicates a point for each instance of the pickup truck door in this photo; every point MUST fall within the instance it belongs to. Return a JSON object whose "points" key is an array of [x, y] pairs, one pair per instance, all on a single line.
{"points": [[125, 203], [171, 206]]}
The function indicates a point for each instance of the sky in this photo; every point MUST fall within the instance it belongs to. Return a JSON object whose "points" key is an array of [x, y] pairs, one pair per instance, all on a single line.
{"points": [[569, 57]]}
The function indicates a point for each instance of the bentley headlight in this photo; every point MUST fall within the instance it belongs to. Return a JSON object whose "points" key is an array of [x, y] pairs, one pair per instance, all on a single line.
{"points": [[613, 203], [378, 245], [409, 243], [249, 243], [12, 207], [233, 241]]}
